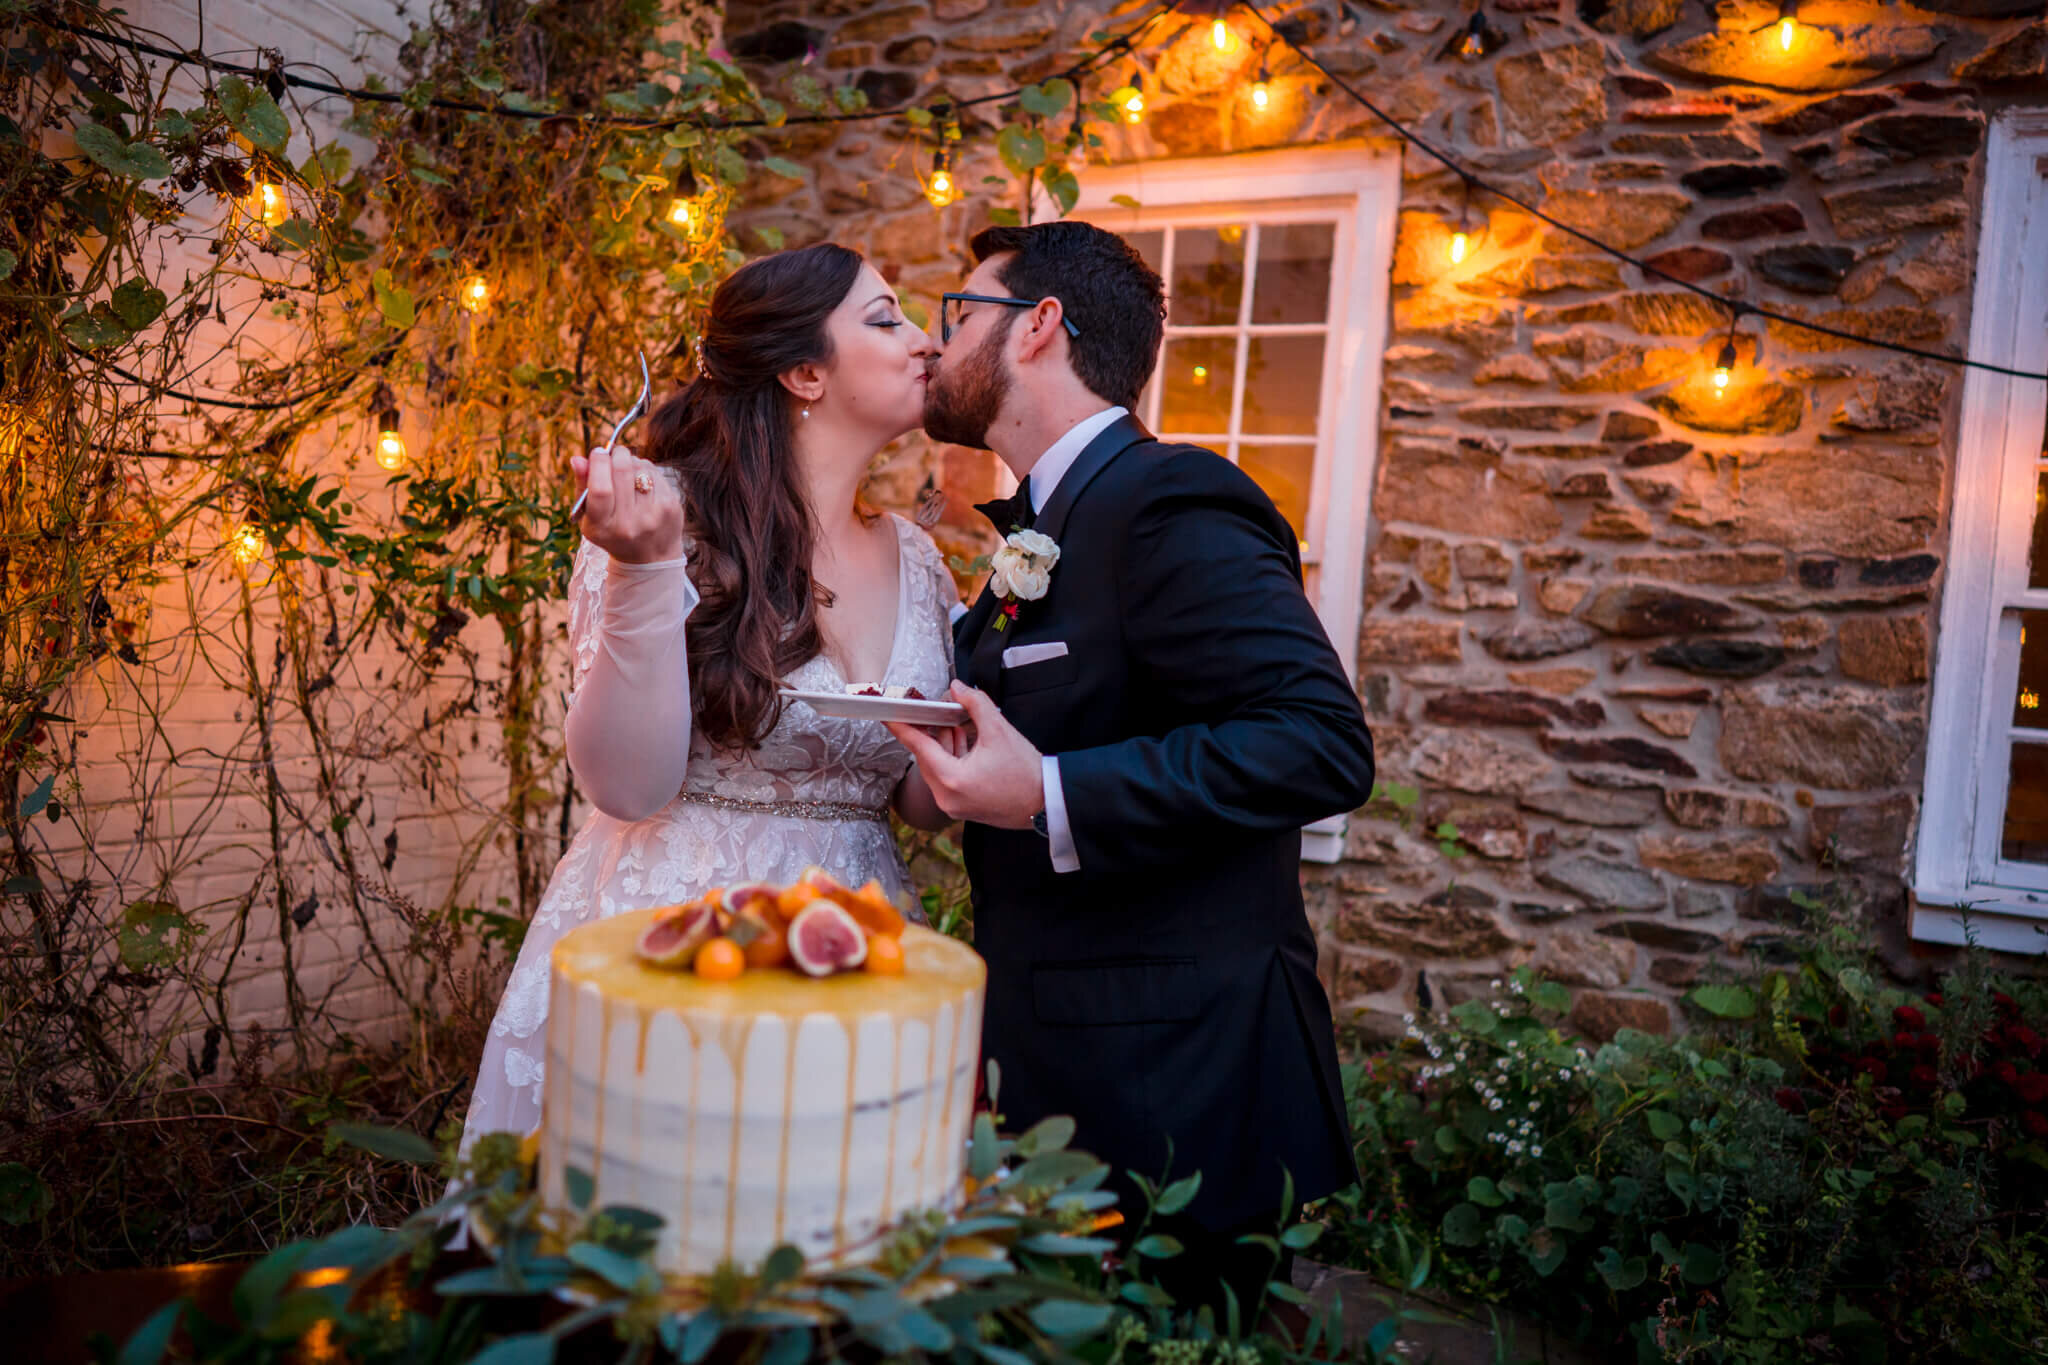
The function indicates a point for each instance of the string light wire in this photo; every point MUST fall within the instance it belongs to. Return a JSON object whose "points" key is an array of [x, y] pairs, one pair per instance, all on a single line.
{"points": [[1422, 145], [1109, 51]]}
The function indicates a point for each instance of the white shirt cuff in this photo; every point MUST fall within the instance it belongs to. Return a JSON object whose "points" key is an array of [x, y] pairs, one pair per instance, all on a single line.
{"points": [[955, 612], [1064, 858]]}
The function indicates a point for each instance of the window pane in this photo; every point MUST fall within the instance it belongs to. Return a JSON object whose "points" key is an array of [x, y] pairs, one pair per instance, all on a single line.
{"points": [[2037, 560], [1283, 385], [2027, 707], [1208, 275], [1294, 272], [1150, 244], [1287, 473], [1198, 371], [2025, 837]]}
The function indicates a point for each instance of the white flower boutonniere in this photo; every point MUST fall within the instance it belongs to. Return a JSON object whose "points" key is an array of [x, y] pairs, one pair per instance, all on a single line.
{"points": [[1021, 571]]}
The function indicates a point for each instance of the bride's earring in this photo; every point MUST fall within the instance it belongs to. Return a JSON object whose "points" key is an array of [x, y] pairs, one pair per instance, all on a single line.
{"points": [[807, 412]]}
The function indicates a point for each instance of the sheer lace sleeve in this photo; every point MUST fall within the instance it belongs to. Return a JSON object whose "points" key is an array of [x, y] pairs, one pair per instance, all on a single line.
{"points": [[628, 730], [943, 593]]}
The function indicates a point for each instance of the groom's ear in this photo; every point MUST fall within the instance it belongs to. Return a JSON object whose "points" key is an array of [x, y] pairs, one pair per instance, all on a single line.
{"points": [[806, 381], [1041, 330]]}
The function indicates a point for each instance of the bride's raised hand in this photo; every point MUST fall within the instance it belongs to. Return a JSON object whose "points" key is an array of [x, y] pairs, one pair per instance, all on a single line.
{"points": [[634, 509]]}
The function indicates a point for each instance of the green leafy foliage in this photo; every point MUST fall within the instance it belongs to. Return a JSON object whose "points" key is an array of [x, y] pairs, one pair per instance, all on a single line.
{"points": [[1830, 1169]]}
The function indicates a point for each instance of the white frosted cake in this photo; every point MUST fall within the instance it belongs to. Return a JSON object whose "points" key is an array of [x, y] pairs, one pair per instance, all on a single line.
{"points": [[775, 1107]]}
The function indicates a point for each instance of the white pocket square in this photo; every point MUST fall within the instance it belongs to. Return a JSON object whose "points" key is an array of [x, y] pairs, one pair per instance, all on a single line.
{"points": [[1016, 656]]}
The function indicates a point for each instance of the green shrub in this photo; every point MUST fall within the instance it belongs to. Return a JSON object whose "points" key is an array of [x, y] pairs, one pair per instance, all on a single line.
{"points": [[1827, 1169]]}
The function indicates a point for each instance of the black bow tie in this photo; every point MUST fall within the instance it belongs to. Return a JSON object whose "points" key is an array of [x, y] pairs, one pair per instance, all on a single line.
{"points": [[1011, 513]]}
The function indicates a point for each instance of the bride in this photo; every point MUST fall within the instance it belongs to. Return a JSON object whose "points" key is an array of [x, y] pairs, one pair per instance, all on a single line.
{"points": [[735, 560]]}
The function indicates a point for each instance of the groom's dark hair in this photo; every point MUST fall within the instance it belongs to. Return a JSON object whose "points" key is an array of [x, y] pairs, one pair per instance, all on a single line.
{"points": [[1115, 300]]}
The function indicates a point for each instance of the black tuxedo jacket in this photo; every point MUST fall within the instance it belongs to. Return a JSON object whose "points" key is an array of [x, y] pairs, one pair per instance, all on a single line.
{"points": [[1167, 990]]}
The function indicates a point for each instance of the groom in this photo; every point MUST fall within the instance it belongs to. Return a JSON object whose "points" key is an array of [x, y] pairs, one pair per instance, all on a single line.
{"points": [[1149, 736]]}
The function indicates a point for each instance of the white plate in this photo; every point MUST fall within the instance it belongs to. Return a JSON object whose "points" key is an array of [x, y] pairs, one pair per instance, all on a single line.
{"points": [[900, 709]]}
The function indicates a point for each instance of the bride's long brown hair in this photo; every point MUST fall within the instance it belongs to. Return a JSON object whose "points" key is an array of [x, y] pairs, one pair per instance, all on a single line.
{"points": [[731, 434]]}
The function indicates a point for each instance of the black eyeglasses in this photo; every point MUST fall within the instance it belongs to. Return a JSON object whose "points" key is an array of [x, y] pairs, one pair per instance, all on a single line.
{"points": [[949, 311]]}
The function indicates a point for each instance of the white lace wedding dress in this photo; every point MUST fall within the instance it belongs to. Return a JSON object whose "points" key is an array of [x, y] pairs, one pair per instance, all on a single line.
{"points": [[816, 792]]}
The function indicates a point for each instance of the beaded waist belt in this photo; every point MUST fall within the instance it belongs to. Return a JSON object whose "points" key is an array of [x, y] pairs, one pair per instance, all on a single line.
{"points": [[798, 810]]}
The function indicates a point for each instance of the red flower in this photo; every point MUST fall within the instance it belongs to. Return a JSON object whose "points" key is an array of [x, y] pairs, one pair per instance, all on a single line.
{"points": [[1923, 1076], [1870, 1067], [2033, 1087], [1909, 1018], [1837, 1016], [1893, 1112], [1789, 1099], [1906, 1042], [2034, 1124], [1934, 999], [2026, 1038], [2006, 1071], [2006, 1004]]}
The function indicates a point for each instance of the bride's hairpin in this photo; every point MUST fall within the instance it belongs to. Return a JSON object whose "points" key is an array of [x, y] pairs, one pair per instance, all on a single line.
{"points": [[697, 350]]}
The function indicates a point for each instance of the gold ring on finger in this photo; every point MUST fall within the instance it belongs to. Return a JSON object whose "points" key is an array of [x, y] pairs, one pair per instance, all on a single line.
{"points": [[643, 482]]}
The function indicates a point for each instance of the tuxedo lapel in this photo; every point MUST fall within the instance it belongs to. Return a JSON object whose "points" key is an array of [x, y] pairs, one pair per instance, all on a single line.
{"points": [[1112, 441]]}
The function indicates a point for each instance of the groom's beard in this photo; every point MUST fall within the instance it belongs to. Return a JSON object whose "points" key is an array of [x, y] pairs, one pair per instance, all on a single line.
{"points": [[960, 408]]}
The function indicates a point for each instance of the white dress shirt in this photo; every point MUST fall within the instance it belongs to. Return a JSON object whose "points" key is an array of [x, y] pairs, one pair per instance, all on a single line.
{"points": [[1045, 476]]}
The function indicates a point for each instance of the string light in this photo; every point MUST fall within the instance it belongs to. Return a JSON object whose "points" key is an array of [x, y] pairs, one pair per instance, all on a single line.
{"points": [[1724, 367], [390, 452], [475, 295], [1130, 100], [1221, 36], [267, 204], [1474, 45], [1788, 24], [942, 189], [1460, 245], [247, 544], [683, 214], [1262, 94]]}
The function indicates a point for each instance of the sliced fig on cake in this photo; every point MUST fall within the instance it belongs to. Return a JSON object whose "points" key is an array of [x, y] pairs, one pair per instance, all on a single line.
{"points": [[762, 934], [824, 939], [676, 935]]}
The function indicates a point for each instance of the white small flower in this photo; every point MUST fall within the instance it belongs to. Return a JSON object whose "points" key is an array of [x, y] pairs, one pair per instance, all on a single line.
{"points": [[1514, 1149], [1435, 1051], [1536, 1150], [1564, 1073], [1495, 983], [1493, 1102], [1534, 1105], [1409, 1020]]}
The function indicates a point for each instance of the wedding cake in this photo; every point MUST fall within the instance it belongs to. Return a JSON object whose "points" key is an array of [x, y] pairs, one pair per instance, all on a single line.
{"points": [[795, 1085]]}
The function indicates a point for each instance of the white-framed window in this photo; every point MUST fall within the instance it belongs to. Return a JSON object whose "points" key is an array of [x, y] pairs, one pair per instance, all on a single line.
{"points": [[1277, 268], [1983, 845]]}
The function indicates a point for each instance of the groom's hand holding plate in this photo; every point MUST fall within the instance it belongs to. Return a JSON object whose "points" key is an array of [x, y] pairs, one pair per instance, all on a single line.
{"points": [[994, 778]]}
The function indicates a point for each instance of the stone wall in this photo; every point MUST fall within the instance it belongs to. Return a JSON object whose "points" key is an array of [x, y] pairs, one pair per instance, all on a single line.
{"points": [[1660, 657]]}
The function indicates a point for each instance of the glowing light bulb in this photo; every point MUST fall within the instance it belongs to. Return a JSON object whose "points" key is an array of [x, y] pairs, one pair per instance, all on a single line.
{"points": [[1221, 36], [941, 191], [1134, 107], [247, 544], [1201, 374], [1786, 27], [267, 204], [475, 295], [2030, 700], [682, 213], [1724, 368], [391, 455], [1461, 243], [1262, 94], [1474, 46]]}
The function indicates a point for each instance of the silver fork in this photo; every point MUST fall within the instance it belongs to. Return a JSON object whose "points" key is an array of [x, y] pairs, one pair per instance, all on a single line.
{"points": [[640, 406]]}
